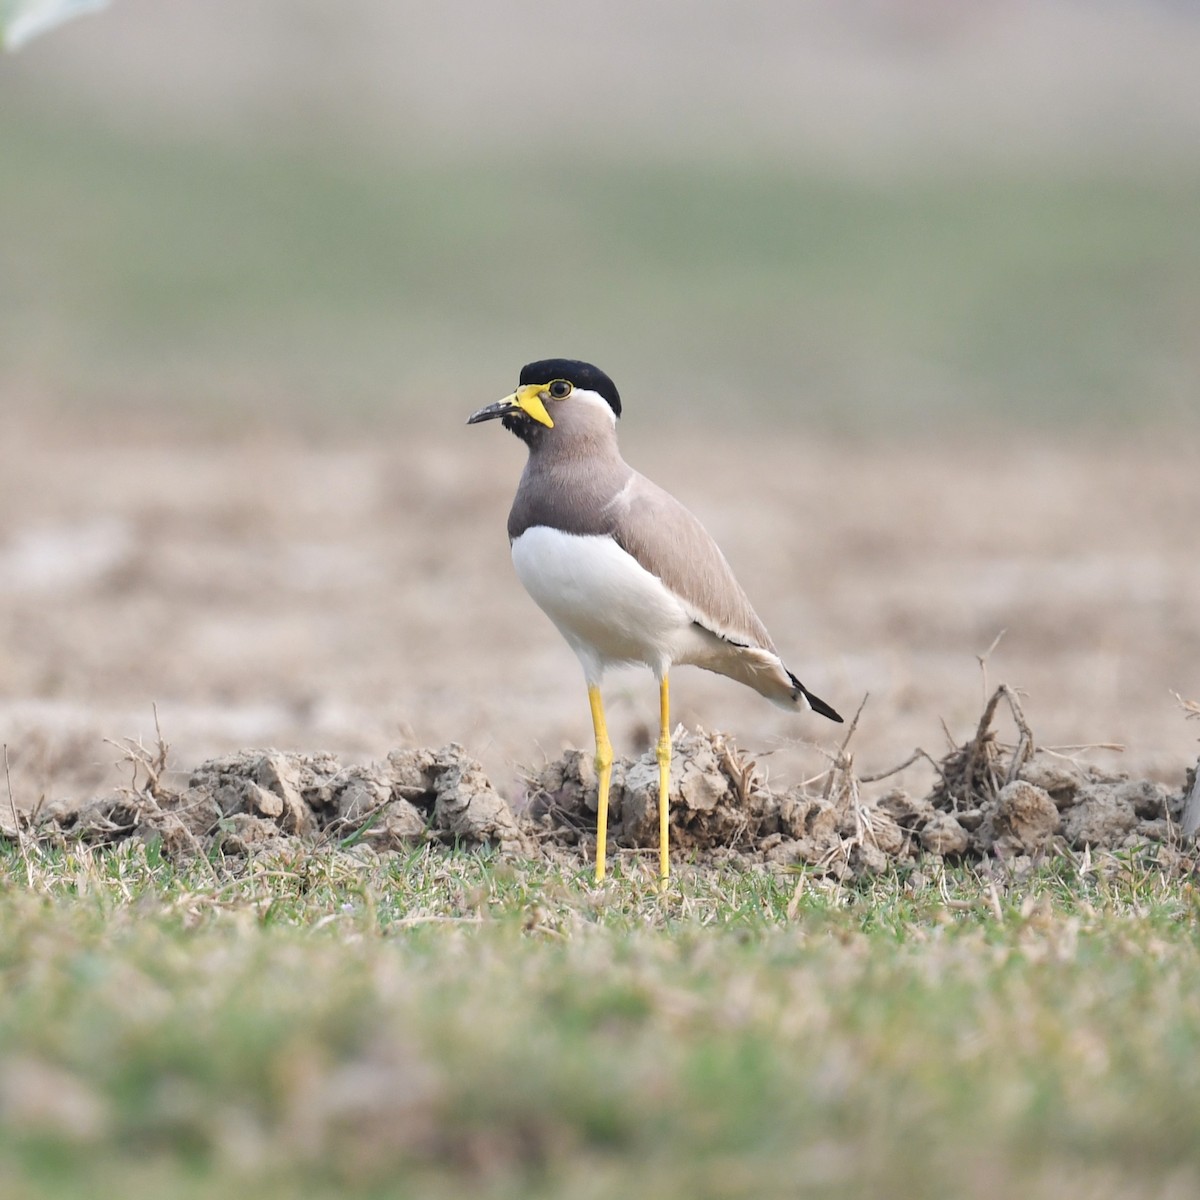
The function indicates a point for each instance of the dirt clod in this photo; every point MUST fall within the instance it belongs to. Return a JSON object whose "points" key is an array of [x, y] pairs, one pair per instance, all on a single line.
{"points": [[943, 835], [468, 808], [1021, 820]]}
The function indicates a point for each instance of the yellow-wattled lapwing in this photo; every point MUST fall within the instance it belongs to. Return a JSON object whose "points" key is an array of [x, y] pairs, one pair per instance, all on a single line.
{"points": [[626, 573]]}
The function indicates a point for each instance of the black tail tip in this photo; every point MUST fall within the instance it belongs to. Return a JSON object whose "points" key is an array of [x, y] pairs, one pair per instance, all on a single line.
{"points": [[819, 706], [815, 702]]}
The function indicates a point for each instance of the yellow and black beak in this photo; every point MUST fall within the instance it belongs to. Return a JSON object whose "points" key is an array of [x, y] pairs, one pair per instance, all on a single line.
{"points": [[525, 400]]}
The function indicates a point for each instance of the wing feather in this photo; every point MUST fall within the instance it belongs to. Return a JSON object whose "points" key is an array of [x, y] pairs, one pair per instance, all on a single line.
{"points": [[668, 540]]}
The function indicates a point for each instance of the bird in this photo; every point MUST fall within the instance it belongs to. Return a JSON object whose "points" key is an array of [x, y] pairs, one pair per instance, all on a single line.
{"points": [[626, 573]]}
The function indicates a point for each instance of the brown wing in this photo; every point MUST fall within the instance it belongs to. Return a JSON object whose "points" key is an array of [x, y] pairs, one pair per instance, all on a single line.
{"points": [[666, 539]]}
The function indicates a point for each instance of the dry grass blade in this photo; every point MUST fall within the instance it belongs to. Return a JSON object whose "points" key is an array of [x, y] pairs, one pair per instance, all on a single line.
{"points": [[741, 769], [1072, 754], [987, 654]]}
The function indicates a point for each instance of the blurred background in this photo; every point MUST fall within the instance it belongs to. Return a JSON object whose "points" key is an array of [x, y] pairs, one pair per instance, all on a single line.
{"points": [[908, 290], [899, 213]]}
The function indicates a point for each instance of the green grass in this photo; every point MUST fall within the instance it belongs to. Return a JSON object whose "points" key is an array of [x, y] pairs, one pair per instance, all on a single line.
{"points": [[334, 1025], [311, 277]]}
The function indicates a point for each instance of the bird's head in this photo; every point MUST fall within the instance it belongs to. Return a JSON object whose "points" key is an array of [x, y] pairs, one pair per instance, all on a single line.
{"points": [[555, 396]]}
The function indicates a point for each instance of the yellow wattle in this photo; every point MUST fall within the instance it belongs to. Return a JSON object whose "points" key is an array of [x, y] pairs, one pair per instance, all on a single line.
{"points": [[529, 398]]}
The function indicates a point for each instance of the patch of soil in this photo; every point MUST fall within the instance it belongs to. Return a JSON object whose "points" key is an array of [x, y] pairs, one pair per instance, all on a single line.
{"points": [[1011, 802], [244, 802]]}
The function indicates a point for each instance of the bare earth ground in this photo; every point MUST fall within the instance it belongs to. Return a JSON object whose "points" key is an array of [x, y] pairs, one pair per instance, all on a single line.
{"points": [[355, 596]]}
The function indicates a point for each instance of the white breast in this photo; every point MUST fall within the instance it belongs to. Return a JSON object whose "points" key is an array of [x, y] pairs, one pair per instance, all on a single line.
{"points": [[610, 609]]}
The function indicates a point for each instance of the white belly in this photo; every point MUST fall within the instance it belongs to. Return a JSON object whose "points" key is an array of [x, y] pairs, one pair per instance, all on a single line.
{"points": [[610, 609]]}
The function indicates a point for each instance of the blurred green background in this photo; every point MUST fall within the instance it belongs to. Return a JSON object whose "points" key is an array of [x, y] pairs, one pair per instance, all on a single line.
{"points": [[890, 217]]}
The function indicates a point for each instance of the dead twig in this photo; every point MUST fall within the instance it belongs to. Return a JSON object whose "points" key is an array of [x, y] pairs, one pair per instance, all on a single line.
{"points": [[984, 739], [915, 756], [973, 772], [151, 762], [842, 763]]}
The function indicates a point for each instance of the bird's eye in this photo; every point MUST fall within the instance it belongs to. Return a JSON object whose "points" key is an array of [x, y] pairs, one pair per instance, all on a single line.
{"points": [[560, 389]]}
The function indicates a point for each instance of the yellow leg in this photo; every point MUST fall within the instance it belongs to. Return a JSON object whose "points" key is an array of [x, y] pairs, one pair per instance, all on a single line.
{"points": [[603, 777], [664, 782]]}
